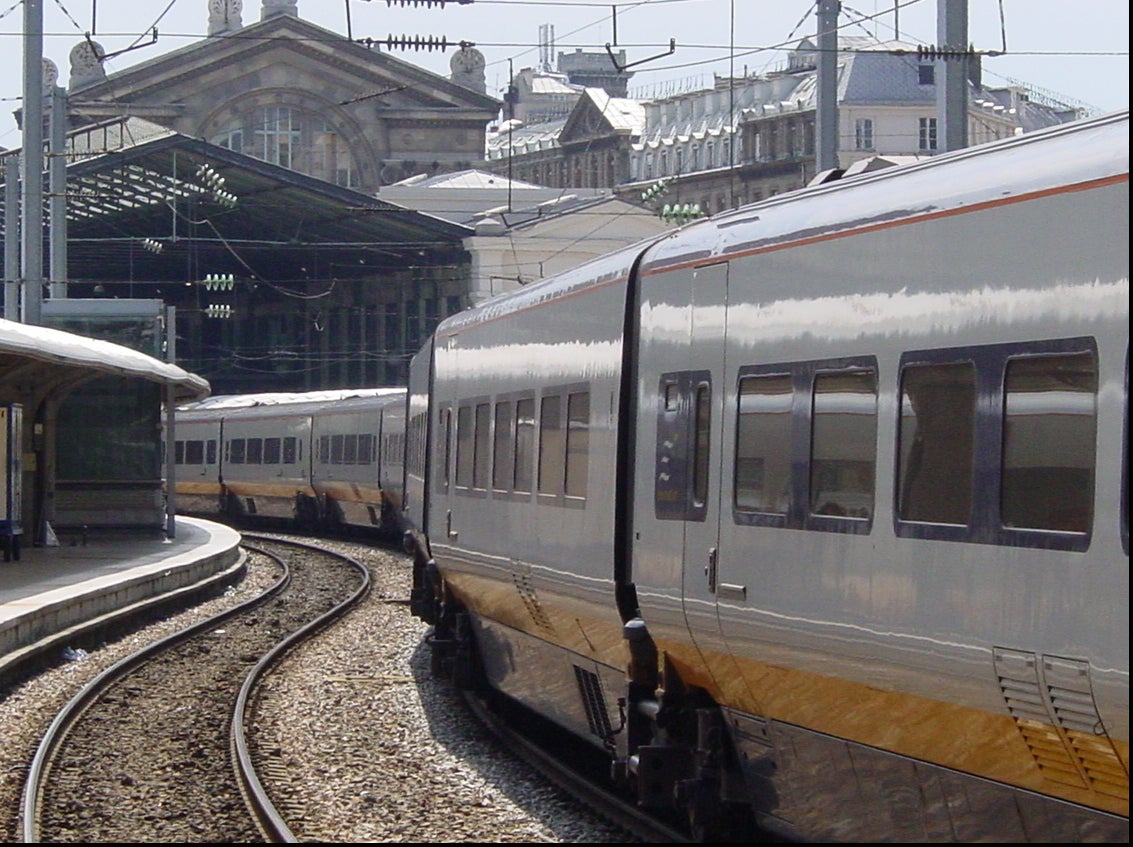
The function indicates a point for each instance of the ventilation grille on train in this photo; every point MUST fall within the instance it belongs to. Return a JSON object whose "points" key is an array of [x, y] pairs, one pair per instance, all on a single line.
{"points": [[590, 690], [1051, 700]]}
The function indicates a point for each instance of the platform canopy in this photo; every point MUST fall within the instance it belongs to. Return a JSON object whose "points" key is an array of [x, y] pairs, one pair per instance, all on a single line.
{"points": [[35, 355]]}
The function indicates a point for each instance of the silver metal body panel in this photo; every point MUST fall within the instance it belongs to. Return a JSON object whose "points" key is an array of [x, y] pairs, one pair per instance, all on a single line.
{"points": [[903, 679]]}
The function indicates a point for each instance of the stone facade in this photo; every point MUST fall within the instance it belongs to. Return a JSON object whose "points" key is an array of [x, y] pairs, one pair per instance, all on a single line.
{"points": [[294, 94]]}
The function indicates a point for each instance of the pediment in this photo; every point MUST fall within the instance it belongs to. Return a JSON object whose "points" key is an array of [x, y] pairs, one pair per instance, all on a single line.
{"points": [[586, 121], [310, 57]]}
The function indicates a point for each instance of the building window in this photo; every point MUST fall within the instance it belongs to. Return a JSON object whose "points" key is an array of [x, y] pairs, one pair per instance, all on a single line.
{"points": [[926, 74], [927, 134], [863, 134], [276, 133], [304, 142]]}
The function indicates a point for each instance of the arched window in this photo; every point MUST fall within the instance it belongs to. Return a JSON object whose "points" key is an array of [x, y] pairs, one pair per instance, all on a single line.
{"points": [[293, 138]]}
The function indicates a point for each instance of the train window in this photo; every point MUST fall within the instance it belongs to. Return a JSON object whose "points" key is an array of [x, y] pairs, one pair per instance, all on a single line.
{"points": [[482, 440], [503, 448], [444, 433], [702, 425], [255, 454], [843, 446], [806, 445], [178, 452], [464, 446], [935, 441], [236, 451], [210, 452], [680, 487], [1018, 472], [577, 443], [367, 449], [551, 445], [524, 444], [337, 448], [272, 451], [414, 448], [350, 448], [1049, 436], [289, 453], [763, 444], [194, 452]]}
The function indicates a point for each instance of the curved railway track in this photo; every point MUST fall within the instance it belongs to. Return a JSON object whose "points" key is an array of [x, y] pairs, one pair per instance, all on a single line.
{"points": [[142, 753], [351, 736], [554, 760]]}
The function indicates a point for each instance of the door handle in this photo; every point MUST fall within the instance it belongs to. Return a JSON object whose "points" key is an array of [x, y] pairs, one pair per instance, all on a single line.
{"points": [[710, 569]]}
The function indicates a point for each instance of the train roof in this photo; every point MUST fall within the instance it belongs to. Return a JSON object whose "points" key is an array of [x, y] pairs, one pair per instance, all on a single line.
{"points": [[1078, 152], [65, 350], [283, 398]]}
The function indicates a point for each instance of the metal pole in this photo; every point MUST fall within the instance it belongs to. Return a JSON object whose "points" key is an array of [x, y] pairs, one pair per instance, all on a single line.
{"points": [[826, 117], [33, 163], [170, 435], [12, 237], [952, 83], [57, 173]]}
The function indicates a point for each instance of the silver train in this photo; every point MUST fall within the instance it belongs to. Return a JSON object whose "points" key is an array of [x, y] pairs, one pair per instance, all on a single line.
{"points": [[812, 515], [323, 461]]}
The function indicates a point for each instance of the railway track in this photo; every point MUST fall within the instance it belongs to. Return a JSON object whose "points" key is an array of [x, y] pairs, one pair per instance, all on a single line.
{"points": [[379, 750], [156, 747], [555, 760]]}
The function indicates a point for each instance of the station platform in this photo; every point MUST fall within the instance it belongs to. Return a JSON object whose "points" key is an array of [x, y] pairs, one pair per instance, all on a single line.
{"points": [[50, 595]]}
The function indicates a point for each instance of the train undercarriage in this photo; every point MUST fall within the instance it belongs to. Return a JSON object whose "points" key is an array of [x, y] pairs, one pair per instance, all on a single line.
{"points": [[674, 758]]}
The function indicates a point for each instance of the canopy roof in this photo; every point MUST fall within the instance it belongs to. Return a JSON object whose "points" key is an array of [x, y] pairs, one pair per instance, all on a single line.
{"points": [[36, 354], [144, 202]]}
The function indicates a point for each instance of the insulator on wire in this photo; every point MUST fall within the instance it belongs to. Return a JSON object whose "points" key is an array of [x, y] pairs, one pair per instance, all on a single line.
{"points": [[930, 53], [417, 42], [654, 191], [219, 282], [428, 4]]}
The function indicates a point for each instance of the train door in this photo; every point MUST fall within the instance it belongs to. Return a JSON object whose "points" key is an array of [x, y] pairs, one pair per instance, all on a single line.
{"points": [[443, 525], [703, 390]]}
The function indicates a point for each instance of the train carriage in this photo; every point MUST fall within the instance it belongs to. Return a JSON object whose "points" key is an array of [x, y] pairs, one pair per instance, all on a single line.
{"points": [[266, 463], [525, 403], [354, 472], [197, 459], [325, 460], [846, 472]]}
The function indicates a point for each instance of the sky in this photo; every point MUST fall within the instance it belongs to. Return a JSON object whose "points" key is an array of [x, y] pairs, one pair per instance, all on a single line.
{"points": [[1076, 52]]}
